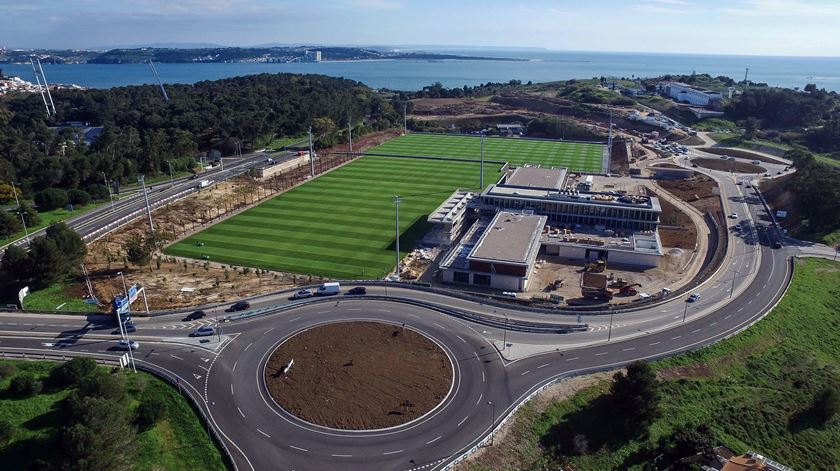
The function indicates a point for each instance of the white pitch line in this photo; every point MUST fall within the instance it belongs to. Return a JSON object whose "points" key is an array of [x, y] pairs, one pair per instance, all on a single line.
{"points": [[463, 420], [267, 435], [240, 412], [298, 448], [392, 452], [433, 440], [542, 366]]}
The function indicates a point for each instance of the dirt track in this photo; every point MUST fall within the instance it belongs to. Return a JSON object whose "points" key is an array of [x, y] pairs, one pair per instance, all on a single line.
{"points": [[359, 375]]}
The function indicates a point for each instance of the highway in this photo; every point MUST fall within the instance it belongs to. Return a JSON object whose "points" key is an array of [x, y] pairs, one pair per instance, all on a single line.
{"points": [[223, 374]]}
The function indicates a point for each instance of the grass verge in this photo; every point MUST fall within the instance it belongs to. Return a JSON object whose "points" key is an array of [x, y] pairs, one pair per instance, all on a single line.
{"points": [[61, 296], [56, 215]]}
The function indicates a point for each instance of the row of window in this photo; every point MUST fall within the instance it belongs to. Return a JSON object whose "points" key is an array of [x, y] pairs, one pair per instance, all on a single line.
{"points": [[546, 207]]}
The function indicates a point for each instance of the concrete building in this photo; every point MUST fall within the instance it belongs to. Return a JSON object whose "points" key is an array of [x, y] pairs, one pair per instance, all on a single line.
{"points": [[642, 249], [500, 254], [449, 218], [312, 56], [685, 93], [269, 169]]}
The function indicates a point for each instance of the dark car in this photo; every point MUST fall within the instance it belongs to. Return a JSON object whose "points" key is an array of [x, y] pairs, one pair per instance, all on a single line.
{"points": [[195, 316], [358, 290], [129, 326], [194, 177], [239, 306], [777, 245]]}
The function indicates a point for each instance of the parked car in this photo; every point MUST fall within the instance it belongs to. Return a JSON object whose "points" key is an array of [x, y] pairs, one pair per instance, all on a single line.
{"points": [[358, 290], [693, 297], [739, 183], [304, 293], [194, 316], [203, 331], [239, 306], [733, 216], [124, 344]]}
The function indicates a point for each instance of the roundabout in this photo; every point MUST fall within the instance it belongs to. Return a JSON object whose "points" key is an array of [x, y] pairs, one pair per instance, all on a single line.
{"points": [[358, 375]]}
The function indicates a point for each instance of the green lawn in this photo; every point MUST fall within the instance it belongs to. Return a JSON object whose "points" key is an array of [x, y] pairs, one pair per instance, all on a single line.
{"points": [[748, 389], [55, 215], [179, 442], [578, 157], [279, 142], [50, 298], [341, 224]]}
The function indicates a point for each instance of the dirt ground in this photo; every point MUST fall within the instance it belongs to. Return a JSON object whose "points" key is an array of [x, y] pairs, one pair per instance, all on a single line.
{"points": [[728, 165], [513, 442], [699, 191], [359, 375]]}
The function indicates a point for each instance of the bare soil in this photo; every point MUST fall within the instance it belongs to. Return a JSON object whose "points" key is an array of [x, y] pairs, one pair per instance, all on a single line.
{"points": [[699, 191], [359, 375], [744, 154], [728, 165]]}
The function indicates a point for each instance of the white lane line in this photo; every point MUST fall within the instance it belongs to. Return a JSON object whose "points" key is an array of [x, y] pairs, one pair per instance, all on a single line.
{"points": [[384, 310], [482, 376], [267, 435], [442, 327], [677, 317], [269, 330], [354, 309], [298, 318], [728, 316], [713, 323], [750, 301], [231, 389], [765, 286], [479, 398], [695, 331], [523, 374], [341, 456], [542, 366], [476, 354], [572, 359], [654, 343], [392, 452], [463, 420], [677, 337], [234, 365], [599, 354], [249, 346], [298, 448], [462, 338], [413, 315], [740, 309], [240, 412], [175, 357], [432, 440], [322, 312], [629, 349]]}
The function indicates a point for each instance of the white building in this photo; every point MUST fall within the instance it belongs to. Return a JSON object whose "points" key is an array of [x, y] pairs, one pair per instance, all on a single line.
{"points": [[685, 93]]}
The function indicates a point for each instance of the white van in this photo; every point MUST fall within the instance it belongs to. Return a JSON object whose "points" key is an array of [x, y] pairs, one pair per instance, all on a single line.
{"points": [[328, 289]]}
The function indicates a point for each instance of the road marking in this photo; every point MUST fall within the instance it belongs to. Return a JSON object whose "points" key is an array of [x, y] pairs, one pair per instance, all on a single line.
{"points": [[523, 374], [463, 420], [204, 368], [342, 456], [297, 318], [572, 359], [205, 360], [196, 376], [740, 309], [384, 310], [542, 366], [629, 349], [482, 376], [267, 435], [442, 327], [750, 301], [462, 338], [677, 337], [433, 440], [654, 343], [728, 316], [677, 317], [231, 389], [249, 346], [476, 354], [319, 312], [392, 452], [664, 310], [355, 309], [240, 412], [414, 316], [269, 330], [234, 365], [175, 357], [765, 286], [479, 398], [599, 354], [695, 331], [713, 323], [298, 448]]}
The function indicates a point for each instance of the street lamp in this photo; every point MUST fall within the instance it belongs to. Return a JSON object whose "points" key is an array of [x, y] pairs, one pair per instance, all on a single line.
{"points": [[504, 341], [110, 193], [492, 421], [609, 332], [171, 178], [22, 219], [685, 311], [397, 230]]}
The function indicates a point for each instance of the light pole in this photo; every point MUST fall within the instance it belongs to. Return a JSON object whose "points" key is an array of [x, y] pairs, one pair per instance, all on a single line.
{"points": [[504, 335], [397, 233], [142, 180], [685, 311], [732, 289], [405, 118], [171, 178], [22, 219], [350, 134], [110, 193], [609, 332], [311, 155], [492, 421], [481, 171]]}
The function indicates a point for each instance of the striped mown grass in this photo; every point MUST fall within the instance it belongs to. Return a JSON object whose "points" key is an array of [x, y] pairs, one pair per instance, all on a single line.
{"points": [[340, 225], [577, 156]]}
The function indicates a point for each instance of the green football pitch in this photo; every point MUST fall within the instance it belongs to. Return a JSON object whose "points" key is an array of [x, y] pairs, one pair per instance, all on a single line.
{"points": [[576, 156], [340, 225]]}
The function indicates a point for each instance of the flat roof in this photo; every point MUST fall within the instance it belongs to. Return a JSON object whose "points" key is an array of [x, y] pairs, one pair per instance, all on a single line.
{"points": [[605, 199], [537, 178], [447, 210], [510, 238]]}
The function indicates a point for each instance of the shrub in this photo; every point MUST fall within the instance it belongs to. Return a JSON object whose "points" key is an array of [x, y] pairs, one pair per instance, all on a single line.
{"points": [[152, 410], [6, 370], [6, 431], [78, 197], [103, 386], [51, 198], [25, 386], [72, 372], [98, 192]]}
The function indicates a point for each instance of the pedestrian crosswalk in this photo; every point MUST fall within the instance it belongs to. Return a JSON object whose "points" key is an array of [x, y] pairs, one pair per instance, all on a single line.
{"points": [[186, 325]]}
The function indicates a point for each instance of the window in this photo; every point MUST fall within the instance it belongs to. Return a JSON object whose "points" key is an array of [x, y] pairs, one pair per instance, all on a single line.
{"points": [[461, 277], [483, 280]]}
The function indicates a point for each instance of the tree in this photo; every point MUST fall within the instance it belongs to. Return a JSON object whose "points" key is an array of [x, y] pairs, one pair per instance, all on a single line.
{"points": [[25, 386], [69, 243], [78, 197], [6, 431], [45, 262], [635, 396], [15, 271], [51, 198], [72, 372], [7, 193], [99, 435], [9, 223], [152, 409], [137, 251], [30, 216], [826, 405], [750, 127]]}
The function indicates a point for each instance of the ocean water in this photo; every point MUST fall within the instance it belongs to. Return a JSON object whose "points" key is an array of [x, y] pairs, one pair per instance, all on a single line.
{"points": [[540, 66]]}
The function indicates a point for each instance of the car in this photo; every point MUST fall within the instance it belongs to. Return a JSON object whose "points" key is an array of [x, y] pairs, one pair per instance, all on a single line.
{"points": [[125, 344], [195, 316], [724, 156], [776, 245], [694, 165], [203, 331], [129, 326], [194, 177], [733, 216], [766, 174], [358, 290], [304, 293], [693, 297], [239, 306], [739, 183], [756, 162]]}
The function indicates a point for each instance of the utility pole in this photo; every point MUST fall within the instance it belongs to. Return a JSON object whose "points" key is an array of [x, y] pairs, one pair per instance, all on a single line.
{"points": [[481, 171], [22, 218], [504, 338], [311, 155], [609, 333], [142, 180], [350, 134], [171, 178], [397, 230], [110, 193]]}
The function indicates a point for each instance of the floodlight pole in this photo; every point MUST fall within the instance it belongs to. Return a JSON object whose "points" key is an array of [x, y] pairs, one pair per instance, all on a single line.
{"points": [[609, 333], [142, 180], [405, 118], [397, 231], [22, 219], [110, 193], [311, 155], [350, 134], [481, 171]]}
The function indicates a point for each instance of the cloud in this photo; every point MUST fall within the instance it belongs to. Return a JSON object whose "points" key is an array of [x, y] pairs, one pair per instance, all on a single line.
{"points": [[786, 8], [668, 7], [374, 4]]}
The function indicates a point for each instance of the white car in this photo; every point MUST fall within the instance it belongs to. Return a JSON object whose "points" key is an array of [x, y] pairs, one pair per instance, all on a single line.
{"points": [[733, 216], [304, 293], [693, 297], [124, 344], [204, 331]]}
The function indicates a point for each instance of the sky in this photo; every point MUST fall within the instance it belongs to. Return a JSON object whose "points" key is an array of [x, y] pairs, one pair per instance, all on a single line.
{"points": [[751, 27]]}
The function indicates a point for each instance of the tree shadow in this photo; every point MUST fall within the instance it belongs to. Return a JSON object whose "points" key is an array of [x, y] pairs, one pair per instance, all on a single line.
{"points": [[596, 426]]}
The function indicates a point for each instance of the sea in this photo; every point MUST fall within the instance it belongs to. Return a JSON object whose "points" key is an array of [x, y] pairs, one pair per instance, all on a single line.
{"points": [[536, 66]]}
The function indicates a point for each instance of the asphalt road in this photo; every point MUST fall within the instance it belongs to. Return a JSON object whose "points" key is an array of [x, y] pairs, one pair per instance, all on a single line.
{"points": [[223, 373]]}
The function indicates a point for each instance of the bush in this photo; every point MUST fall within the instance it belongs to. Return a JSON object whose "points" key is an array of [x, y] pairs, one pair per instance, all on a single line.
{"points": [[51, 198], [6, 431], [25, 386], [103, 386], [9, 223], [152, 410], [72, 372], [826, 405], [98, 192], [6, 370], [78, 197]]}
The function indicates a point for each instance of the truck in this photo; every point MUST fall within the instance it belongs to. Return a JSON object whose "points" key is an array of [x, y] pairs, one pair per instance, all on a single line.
{"points": [[204, 183], [327, 289]]}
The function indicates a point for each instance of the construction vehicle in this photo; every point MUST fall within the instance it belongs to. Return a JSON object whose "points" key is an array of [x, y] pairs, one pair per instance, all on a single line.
{"points": [[629, 290], [596, 267], [596, 293]]}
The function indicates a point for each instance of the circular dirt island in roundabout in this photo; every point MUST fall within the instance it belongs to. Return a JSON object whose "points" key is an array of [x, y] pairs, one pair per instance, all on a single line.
{"points": [[358, 375]]}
